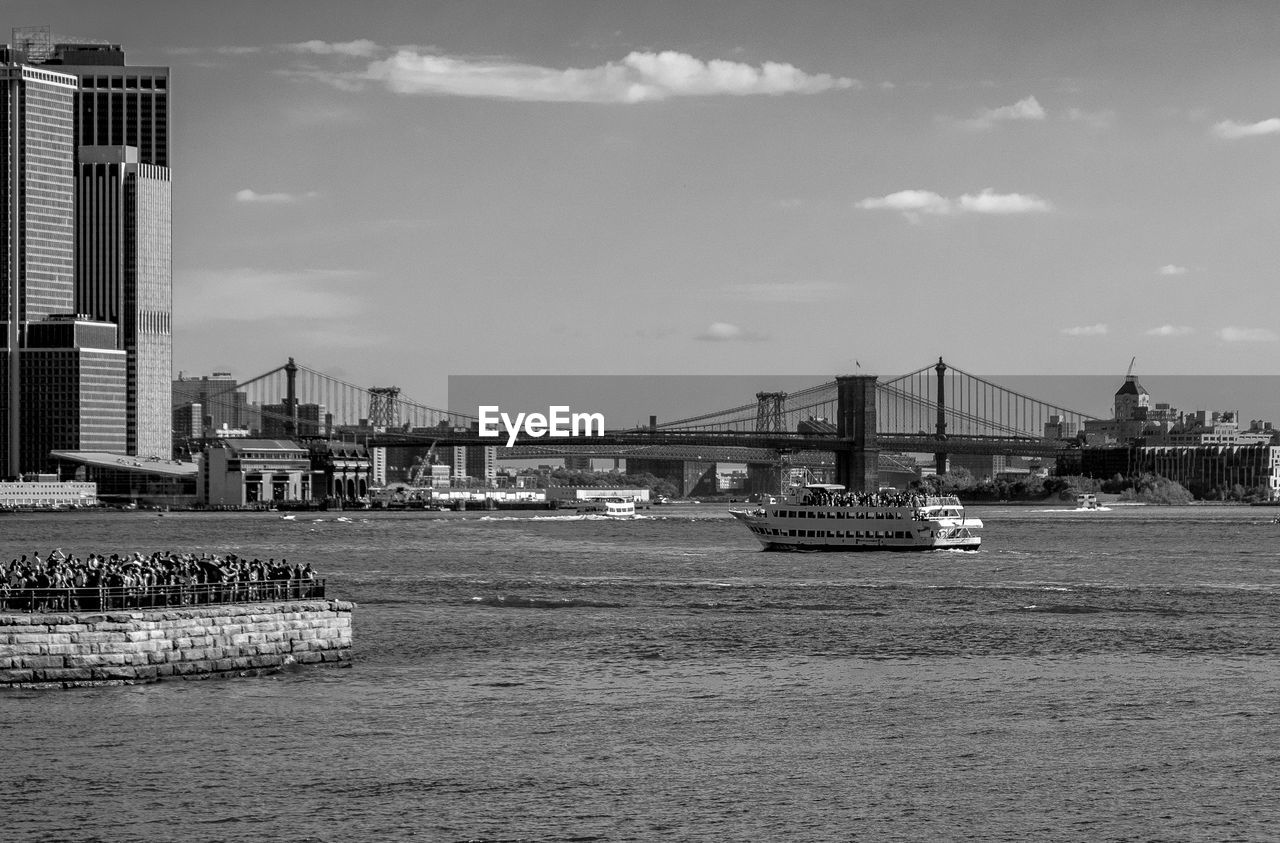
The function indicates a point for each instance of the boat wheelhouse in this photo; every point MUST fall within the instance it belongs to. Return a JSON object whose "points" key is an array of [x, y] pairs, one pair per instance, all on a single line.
{"points": [[610, 507], [824, 516]]}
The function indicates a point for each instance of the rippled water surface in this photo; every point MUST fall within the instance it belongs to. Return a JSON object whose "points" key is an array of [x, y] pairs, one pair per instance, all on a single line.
{"points": [[1086, 676]]}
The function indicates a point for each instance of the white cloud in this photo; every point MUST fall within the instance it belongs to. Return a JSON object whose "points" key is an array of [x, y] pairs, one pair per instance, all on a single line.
{"points": [[361, 47], [1235, 334], [298, 295], [725, 332], [1172, 269], [785, 291], [989, 202], [252, 196], [1170, 331], [639, 77], [909, 202], [912, 203], [1231, 130], [1025, 109], [1086, 330]]}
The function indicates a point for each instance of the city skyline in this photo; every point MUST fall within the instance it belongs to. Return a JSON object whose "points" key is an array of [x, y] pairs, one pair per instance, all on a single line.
{"points": [[399, 192]]}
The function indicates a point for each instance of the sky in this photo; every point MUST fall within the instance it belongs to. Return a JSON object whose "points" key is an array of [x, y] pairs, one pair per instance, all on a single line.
{"points": [[397, 192]]}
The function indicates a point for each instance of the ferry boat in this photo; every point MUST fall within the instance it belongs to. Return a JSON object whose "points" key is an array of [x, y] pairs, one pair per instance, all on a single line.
{"points": [[611, 507], [1086, 502], [822, 516]]}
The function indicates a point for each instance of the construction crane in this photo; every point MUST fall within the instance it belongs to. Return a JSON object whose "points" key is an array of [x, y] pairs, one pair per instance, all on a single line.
{"points": [[420, 475]]}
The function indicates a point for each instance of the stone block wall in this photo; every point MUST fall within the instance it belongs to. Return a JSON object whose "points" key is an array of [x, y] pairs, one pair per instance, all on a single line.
{"points": [[46, 650]]}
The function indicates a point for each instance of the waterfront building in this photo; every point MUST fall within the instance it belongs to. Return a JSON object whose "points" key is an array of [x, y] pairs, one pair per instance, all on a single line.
{"points": [[129, 480], [249, 472], [1205, 468], [340, 470]]}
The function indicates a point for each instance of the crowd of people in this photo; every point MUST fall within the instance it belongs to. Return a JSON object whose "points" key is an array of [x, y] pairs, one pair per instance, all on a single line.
{"points": [[825, 497], [58, 582]]}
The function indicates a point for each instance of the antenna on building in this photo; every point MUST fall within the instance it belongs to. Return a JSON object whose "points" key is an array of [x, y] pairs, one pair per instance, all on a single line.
{"points": [[35, 41]]}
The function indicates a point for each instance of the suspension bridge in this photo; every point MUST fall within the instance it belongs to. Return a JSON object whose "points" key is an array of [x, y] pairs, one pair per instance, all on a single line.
{"points": [[937, 409]]}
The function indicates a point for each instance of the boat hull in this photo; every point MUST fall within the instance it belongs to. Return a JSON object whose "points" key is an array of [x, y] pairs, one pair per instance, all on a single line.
{"points": [[845, 534]]}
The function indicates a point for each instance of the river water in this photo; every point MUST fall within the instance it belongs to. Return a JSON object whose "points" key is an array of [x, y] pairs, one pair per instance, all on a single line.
{"points": [[1085, 676]]}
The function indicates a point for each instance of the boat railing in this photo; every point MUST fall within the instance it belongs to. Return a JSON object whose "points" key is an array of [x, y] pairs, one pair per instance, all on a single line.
{"points": [[942, 500]]}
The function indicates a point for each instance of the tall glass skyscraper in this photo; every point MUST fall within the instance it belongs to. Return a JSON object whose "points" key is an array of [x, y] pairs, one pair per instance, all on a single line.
{"points": [[87, 223]]}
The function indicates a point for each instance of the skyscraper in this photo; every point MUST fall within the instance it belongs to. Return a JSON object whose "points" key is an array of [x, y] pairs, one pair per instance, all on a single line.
{"points": [[124, 276], [124, 271], [37, 214], [87, 221]]}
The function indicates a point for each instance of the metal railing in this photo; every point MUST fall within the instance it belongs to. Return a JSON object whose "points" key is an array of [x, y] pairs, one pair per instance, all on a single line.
{"points": [[104, 599]]}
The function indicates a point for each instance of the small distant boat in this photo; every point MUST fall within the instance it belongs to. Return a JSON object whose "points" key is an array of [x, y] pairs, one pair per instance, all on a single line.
{"points": [[1087, 502], [288, 517]]}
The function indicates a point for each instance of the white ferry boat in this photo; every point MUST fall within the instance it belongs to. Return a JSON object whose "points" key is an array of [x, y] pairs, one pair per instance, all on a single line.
{"points": [[611, 507], [822, 516], [1087, 502]]}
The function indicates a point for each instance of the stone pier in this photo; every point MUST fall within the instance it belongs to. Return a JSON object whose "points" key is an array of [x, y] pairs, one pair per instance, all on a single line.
{"points": [[129, 647]]}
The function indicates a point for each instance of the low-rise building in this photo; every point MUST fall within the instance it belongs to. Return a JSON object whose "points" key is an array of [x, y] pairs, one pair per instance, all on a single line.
{"points": [[342, 471], [125, 480], [250, 472]]}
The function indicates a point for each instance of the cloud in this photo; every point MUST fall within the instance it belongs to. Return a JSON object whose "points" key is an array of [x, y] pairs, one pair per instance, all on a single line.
{"points": [[1086, 330], [989, 202], [1170, 331], [1172, 269], [785, 291], [1025, 109], [909, 202], [639, 77], [725, 332], [1231, 130], [912, 203], [1235, 334], [252, 196], [360, 48], [291, 296]]}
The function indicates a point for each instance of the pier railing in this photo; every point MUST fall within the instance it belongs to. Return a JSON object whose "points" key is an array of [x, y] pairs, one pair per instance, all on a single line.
{"points": [[128, 598]]}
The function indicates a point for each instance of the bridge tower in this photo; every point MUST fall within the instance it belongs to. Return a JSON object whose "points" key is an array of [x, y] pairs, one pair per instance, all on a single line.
{"points": [[291, 398], [384, 407], [940, 456], [858, 452], [769, 412]]}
